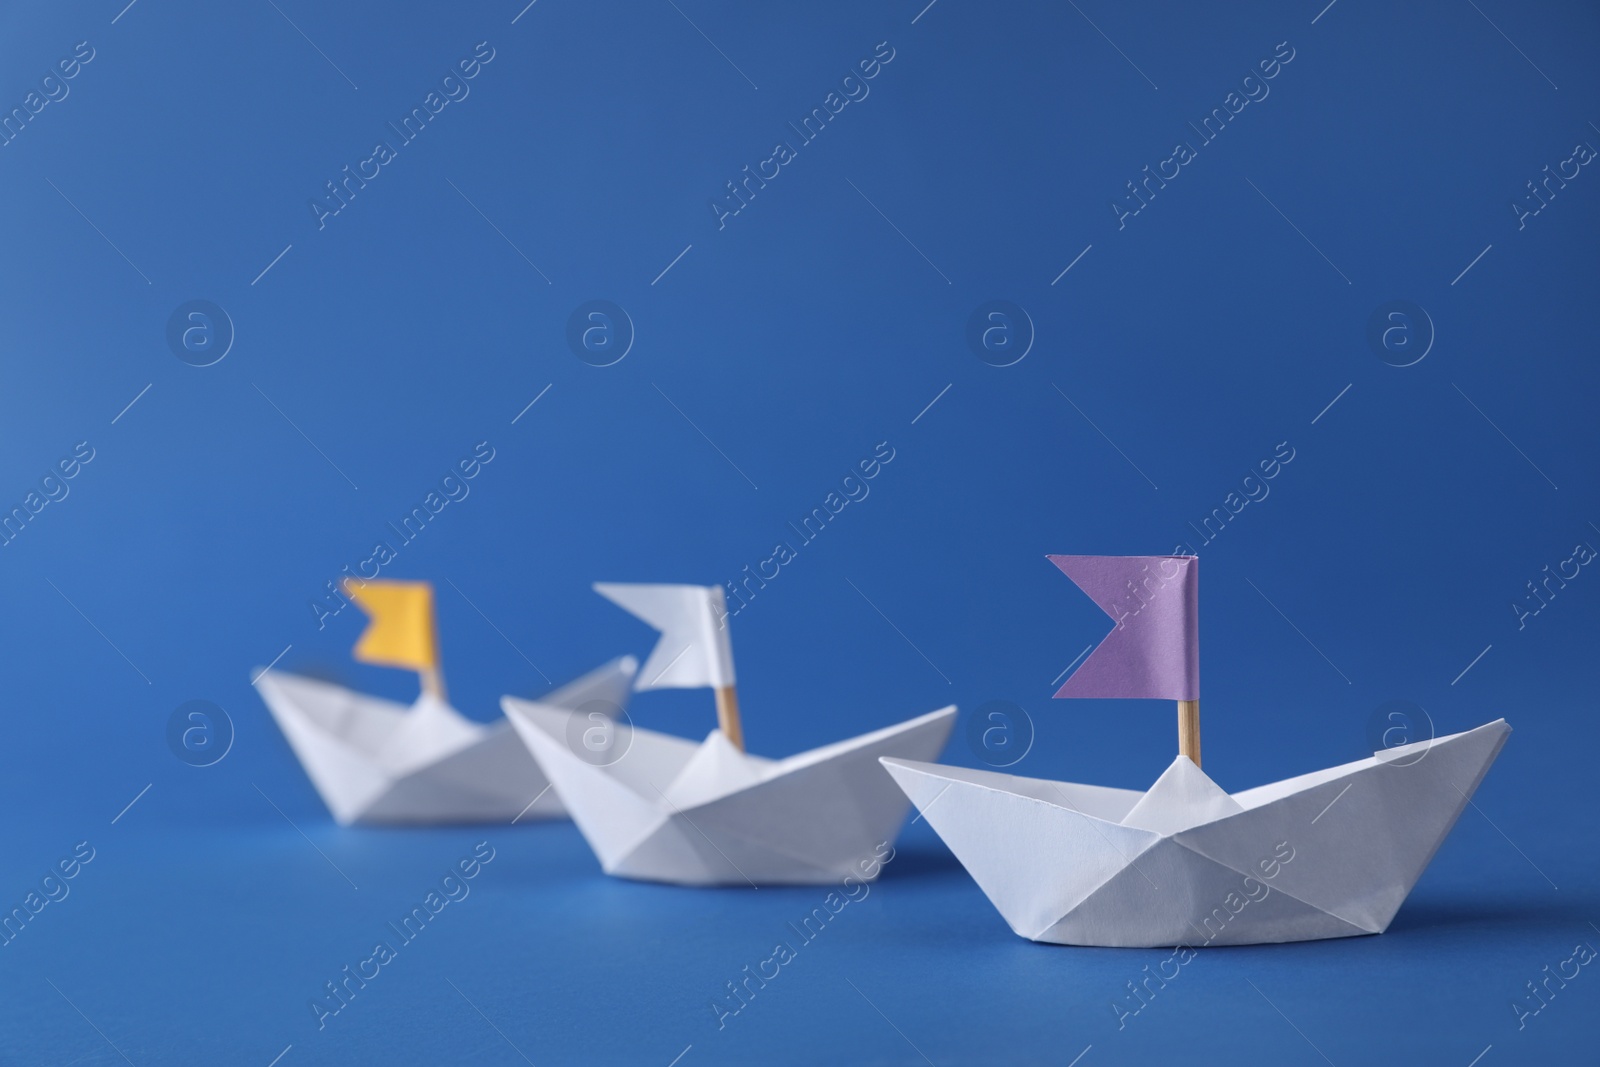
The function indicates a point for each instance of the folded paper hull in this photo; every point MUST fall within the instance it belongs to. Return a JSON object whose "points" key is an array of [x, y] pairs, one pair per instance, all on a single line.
{"points": [[1328, 854], [450, 771], [673, 810]]}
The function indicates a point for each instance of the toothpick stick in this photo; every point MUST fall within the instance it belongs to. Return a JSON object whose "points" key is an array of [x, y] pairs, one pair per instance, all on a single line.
{"points": [[1189, 730], [433, 683], [728, 715]]}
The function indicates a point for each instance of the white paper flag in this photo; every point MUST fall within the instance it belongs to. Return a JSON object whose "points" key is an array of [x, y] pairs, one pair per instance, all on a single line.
{"points": [[694, 650]]}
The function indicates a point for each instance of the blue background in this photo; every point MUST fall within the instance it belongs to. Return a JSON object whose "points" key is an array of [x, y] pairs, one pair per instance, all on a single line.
{"points": [[1197, 337]]}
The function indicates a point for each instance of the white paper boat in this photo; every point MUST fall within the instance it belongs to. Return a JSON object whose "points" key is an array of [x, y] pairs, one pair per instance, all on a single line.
{"points": [[1186, 864], [671, 810], [378, 761]]}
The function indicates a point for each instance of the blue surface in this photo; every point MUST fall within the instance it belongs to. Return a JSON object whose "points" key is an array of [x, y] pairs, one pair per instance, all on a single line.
{"points": [[1179, 351]]}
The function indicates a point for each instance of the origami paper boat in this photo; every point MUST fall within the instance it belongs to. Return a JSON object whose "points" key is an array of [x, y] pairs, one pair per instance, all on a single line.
{"points": [[378, 761], [1187, 864], [671, 810]]}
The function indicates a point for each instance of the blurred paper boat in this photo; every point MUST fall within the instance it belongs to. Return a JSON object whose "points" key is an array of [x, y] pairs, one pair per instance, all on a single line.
{"points": [[1328, 854], [663, 808], [671, 810], [378, 761]]}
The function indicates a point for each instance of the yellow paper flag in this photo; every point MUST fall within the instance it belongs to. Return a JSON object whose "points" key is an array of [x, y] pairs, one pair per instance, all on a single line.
{"points": [[402, 631]]}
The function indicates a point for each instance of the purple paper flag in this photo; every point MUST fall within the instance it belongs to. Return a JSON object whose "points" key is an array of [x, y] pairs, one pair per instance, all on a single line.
{"points": [[1155, 649]]}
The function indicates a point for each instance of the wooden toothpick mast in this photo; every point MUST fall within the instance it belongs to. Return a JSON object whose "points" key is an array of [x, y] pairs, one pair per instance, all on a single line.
{"points": [[432, 679], [1189, 730], [728, 715]]}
